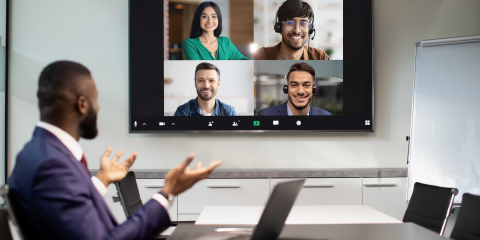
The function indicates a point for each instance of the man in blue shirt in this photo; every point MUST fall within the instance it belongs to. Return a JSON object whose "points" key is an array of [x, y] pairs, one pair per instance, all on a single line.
{"points": [[207, 82]]}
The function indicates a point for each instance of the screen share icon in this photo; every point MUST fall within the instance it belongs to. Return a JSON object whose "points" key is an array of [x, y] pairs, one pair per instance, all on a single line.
{"points": [[256, 123]]}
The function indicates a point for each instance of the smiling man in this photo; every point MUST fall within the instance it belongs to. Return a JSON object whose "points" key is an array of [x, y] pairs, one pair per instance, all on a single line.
{"points": [[300, 88], [295, 24], [207, 82]]}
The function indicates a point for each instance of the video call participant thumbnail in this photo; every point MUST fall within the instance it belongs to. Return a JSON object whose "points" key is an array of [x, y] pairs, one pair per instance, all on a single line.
{"points": [[207, 81], [205, 42], [295, 22], [300, 88]]}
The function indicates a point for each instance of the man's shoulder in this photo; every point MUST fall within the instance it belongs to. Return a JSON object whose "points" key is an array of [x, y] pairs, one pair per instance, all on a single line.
{"points": [[273, 111], [266, 53], [316, 54], [316, 111], [226, 107], [185, 109]]}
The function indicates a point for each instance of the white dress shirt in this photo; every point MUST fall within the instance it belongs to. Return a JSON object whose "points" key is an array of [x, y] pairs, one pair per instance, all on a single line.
{"points": [[77, 152]]}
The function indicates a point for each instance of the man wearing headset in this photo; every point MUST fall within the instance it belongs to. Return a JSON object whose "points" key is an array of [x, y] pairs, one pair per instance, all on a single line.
{"points": [[295, 22], [300, 87]]}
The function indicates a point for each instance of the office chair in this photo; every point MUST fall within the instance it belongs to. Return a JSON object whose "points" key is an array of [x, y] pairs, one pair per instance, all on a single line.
{"points": [[11, 209], [467, 226], [4, 229], [430, 206], [128, 194], [129, 197]]}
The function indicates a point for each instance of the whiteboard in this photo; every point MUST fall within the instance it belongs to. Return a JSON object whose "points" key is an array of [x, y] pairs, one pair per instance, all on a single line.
{"points": [[444, 139]]}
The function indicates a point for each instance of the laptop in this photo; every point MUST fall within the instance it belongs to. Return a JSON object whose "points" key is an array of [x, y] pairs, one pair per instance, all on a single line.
{"points": [[273, 217]]}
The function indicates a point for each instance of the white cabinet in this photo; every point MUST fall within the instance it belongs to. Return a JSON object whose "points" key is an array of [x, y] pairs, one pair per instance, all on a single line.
{"points": [[148, 187], [327, 191], [387, 195], [221, 192]]}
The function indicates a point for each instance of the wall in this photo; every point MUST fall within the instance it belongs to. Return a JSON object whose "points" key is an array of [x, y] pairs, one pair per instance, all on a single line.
{"points": [[95, 33], [3, 51]]}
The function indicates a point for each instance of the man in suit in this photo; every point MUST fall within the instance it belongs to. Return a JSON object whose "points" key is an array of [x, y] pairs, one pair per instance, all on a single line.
{"points": [[300, 88], [57, 197]]}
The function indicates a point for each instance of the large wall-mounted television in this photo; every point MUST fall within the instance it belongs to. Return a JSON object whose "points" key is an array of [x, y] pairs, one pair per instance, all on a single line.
{"points": [[251, 66]]}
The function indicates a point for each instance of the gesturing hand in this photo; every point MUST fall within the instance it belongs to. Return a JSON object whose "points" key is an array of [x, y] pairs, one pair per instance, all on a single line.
{"points": [[181, 178], [112, 171]]}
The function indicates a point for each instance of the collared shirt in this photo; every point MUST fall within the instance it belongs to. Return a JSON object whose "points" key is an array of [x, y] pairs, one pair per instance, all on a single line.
{"points": [[309, 53], [191, 108], [74, 147], [291, 114]]}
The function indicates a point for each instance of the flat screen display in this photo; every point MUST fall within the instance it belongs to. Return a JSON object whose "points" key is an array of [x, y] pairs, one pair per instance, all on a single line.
{"points": [[250, 65]]}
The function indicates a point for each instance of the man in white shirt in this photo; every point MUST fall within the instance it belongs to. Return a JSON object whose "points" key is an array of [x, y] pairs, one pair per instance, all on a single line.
{"points": [[57, 197]]}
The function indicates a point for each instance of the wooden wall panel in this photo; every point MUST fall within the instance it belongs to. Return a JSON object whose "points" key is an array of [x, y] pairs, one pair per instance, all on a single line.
{"points": [[241, 21]]}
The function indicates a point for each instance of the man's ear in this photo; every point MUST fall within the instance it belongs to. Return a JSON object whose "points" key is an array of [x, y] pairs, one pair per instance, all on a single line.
{"points": [[82, 105], [219, 81]]}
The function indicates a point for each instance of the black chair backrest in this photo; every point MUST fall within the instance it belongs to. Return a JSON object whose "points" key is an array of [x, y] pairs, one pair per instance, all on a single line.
{"points": [[12, 211], [430, 206], [467, 226], [128, 193], [4, 229]]}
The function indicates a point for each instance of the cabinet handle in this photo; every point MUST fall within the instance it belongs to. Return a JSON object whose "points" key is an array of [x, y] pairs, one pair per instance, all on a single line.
{"points": [[319, 186], [153, 186], [380, 185], [223, 186]]}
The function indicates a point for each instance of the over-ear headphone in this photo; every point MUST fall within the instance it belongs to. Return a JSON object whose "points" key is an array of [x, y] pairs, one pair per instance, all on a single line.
{"points": [[278, 25], [285, 86]]}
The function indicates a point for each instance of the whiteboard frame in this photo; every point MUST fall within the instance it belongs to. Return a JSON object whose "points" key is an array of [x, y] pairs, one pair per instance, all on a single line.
{"points": [[427, 43]]}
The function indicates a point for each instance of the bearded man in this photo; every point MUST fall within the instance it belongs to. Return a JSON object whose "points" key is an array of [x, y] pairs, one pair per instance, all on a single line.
{"points": [[300, 87], [207, 82]]}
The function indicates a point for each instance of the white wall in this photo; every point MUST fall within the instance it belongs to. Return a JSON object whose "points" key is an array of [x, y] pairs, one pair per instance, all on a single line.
{"points": [[3, 22], [95, 33]]}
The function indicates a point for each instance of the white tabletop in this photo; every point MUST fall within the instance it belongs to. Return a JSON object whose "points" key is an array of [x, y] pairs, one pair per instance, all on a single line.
{"points": [[326, 214]]}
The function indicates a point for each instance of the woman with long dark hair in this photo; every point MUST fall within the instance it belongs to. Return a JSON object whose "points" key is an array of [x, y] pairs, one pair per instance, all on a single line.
{"points": [[205, 42]]}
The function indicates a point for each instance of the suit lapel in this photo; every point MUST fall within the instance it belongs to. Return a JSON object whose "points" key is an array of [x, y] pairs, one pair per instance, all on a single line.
{"points": [[56, 143]]}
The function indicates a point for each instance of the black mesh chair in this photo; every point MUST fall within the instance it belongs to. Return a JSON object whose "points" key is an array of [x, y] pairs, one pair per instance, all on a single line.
{"points": [[129, 197], [430, 206], [467, 226], [128, 194], [11, 209]]}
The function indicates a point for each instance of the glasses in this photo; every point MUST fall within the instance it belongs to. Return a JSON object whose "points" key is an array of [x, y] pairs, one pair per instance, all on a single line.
{"points": [[290, 25]]}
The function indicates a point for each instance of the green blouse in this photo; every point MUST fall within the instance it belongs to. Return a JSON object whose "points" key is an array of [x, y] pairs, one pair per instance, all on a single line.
{"points": [[194, 50]]}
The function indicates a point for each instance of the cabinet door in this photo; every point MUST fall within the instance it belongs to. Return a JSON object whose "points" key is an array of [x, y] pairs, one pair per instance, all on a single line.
{"points": [[327, 191], [148, 187], [221, 192], [387, 195]]}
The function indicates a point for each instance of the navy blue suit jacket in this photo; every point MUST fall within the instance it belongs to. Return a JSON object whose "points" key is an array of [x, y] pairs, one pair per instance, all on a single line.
{"points": [[281, 110], [58, 200]]}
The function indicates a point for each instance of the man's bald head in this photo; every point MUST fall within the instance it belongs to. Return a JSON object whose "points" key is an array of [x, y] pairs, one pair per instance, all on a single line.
{"points": [[67, 92]]}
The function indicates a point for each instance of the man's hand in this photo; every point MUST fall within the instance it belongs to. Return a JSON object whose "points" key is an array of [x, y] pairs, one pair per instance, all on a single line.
{"points": [[181, 178], [112, 171]]}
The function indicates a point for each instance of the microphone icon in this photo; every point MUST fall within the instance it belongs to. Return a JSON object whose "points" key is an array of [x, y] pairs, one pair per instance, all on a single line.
{"points": [[135, 124]]}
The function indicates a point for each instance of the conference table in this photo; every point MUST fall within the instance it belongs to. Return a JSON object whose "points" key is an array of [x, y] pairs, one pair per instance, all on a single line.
{"points": [[342, 222], [324, 214]]}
